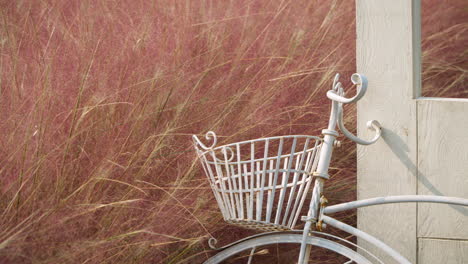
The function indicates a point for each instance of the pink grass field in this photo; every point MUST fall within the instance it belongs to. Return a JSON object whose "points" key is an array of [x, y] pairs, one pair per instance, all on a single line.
{"points": [[99, 99]]}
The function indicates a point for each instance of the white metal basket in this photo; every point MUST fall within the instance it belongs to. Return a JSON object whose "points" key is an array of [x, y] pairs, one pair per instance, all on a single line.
{"points": [[261, 183]]}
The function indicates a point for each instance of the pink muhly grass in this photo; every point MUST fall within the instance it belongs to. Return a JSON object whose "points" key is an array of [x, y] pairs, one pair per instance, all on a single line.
{"points": [[99, 99]]}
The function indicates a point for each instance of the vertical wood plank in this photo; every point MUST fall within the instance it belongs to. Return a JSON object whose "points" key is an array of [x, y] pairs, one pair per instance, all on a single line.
{"points": [[436, 251], [387, 54], [443, 166]]}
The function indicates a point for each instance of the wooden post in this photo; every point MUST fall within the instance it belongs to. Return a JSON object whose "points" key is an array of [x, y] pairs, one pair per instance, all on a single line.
{"points": [[388, 54]]}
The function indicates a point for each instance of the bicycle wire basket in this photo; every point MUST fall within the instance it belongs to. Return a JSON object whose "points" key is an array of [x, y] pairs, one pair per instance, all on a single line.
{"points": [[262, 183]]}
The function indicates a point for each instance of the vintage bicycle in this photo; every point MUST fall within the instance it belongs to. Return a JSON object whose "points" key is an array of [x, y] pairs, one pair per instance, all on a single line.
{"points": [[262, 184]]}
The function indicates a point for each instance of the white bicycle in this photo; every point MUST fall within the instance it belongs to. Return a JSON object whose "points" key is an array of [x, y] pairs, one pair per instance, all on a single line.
{"points": [[262, 184]]}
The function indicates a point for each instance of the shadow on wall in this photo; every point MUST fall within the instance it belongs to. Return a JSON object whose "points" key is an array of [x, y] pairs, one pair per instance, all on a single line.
{"points": [[400, 149]]}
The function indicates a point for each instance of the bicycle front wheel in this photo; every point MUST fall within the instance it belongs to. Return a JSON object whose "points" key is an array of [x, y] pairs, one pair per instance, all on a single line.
{"points": [[286, 238]]}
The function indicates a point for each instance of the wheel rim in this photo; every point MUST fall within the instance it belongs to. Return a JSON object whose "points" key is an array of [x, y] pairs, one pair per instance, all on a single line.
{"points": [[287, 239]]}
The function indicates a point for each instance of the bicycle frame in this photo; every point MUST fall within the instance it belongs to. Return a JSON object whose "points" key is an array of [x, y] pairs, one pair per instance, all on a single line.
{"points": [[379, 201], [336, 94]]}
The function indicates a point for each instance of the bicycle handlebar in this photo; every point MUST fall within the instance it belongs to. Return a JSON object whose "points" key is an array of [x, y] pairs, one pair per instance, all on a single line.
{"points": [[337, 92], [337, 95]]}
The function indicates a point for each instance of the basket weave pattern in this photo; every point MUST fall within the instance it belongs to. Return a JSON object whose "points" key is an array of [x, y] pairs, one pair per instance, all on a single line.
{"points": [[263, 183]]}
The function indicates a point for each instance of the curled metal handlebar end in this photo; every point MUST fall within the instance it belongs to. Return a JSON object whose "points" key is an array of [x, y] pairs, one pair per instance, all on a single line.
{"points": [[359, 79], [337, 94], [212, 243], [374, 125], [210, 136]]}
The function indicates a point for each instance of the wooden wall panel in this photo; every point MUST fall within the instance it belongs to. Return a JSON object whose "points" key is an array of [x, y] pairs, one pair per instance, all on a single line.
{"points": [[438, 251], [388, 56], [443, 166]]}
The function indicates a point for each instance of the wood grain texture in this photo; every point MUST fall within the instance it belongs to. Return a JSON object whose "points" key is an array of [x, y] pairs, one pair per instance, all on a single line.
{"points": [[454, 251], [387, 55], [443, 166]]}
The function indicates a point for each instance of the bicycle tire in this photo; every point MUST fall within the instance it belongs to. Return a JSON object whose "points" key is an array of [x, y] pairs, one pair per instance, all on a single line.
{"points": [[280, 238]]}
